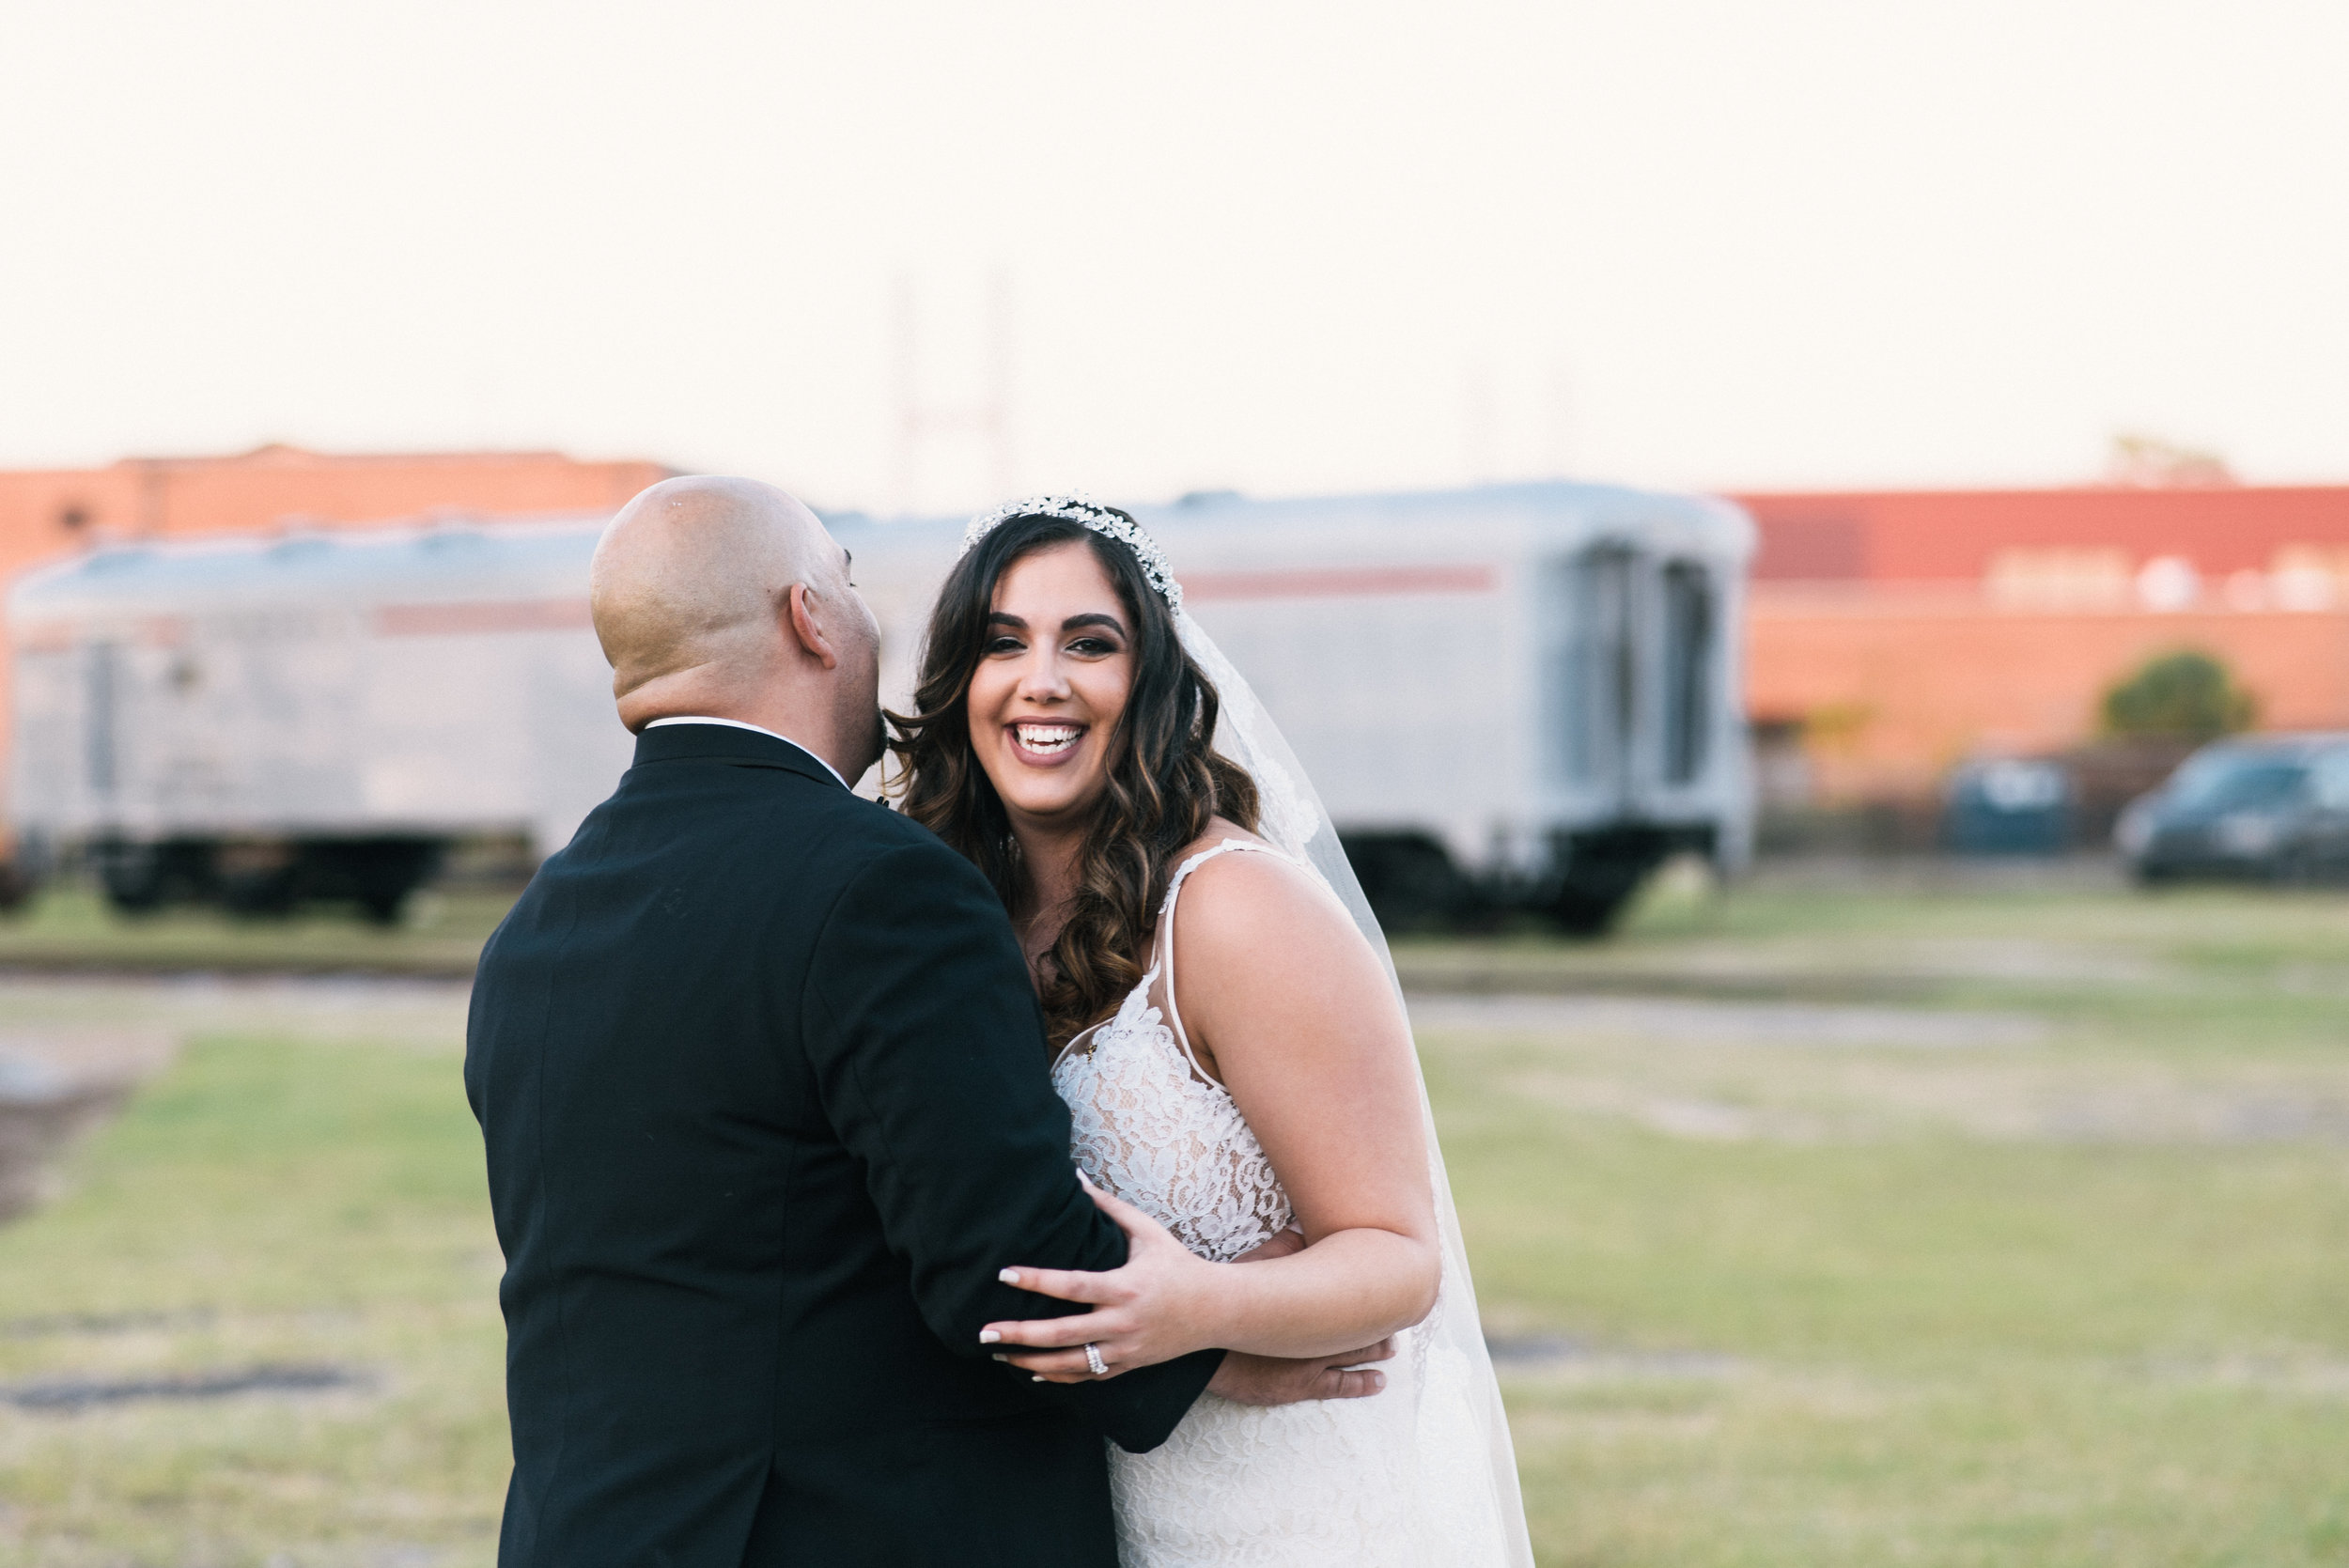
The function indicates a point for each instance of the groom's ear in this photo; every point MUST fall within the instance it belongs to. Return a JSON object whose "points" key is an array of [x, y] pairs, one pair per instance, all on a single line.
{"points": [[803, 615]]}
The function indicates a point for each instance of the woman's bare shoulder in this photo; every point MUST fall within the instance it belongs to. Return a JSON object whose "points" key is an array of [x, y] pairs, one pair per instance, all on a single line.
{"points": [[1245, 898], [1271, 960]]}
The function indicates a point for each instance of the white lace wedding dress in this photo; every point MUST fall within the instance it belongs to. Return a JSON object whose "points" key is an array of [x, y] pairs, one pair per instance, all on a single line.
{"points": [[1401, 1478]]}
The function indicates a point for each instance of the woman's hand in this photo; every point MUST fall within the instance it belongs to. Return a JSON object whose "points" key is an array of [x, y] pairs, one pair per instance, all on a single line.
{"points": [[1161, 1305]]}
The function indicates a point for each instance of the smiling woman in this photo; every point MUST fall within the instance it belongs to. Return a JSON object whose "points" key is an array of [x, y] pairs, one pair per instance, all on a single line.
{"points": [[1056, 708], [1256, 1122]]}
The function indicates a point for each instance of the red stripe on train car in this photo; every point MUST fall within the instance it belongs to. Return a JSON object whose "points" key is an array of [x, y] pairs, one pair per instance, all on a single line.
{"points": [[1330, 582], [460, 620]]}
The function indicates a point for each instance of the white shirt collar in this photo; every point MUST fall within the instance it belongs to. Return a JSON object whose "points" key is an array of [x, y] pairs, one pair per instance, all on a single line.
{"points": [[754, 729]]}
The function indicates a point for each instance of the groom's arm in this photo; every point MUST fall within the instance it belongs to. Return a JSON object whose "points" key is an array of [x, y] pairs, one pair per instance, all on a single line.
{"points": [[929, 1054]]}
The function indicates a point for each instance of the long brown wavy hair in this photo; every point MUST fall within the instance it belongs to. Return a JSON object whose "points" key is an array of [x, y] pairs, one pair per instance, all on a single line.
{"points": [[1166, 780]]}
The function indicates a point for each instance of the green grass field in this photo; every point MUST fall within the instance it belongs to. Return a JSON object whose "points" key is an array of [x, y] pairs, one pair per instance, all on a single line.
{"points": [[1856, 1224], [71, 929], [2076, 1293]]}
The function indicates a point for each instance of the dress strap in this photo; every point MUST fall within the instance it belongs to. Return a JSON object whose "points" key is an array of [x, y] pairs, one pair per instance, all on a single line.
{"points": [[1166, 940]]}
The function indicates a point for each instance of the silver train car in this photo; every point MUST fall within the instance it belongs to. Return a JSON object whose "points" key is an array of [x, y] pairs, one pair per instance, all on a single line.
{"points": [[1518, 697], [261, 722]]}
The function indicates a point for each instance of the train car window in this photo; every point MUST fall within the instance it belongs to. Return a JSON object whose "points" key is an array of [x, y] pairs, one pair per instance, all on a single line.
{"points": [[1689, 635], [103, 674], [1600, 672]]}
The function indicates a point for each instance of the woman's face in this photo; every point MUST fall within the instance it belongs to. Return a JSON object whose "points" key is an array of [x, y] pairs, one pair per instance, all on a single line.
{"points": [[1052, 685]]}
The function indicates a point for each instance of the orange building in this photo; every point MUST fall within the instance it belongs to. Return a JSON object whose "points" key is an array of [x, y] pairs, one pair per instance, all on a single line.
{"points": [[1893, 634], [52, 512]]}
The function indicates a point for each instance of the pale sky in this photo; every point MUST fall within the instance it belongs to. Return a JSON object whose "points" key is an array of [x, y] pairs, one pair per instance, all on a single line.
{"points": [[1274, 246]]}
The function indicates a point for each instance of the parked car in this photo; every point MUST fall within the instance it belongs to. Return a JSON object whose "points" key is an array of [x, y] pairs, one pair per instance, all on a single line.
{"points": [[2270, 808], [2008, 806]]}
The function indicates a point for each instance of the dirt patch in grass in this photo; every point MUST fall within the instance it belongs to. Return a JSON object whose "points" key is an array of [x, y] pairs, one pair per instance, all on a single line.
{"points": [[69, 1395], [58, 1084]]}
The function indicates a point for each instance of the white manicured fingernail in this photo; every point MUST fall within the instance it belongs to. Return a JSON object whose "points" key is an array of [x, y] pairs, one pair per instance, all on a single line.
{"points": [[1036, 1378], [989, 1336], [1009, 1276]]}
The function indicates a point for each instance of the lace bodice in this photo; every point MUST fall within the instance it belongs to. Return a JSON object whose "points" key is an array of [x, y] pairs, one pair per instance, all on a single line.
{"points": [[1154, 1128], [1386, 1482]]}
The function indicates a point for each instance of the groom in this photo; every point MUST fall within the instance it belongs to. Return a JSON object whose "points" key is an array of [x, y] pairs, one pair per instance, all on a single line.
{"points": [[764, 1091]]}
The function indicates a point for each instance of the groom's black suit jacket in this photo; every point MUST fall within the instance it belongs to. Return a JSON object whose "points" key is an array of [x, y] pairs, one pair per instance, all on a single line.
{"points": [[764, 1090]]}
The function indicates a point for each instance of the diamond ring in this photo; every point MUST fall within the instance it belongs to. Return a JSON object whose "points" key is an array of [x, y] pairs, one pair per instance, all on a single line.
{"points": [[1093, 1360]]}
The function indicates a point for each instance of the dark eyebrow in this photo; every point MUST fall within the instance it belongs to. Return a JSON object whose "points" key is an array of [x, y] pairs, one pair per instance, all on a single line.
{"points": [[1094, 618]]}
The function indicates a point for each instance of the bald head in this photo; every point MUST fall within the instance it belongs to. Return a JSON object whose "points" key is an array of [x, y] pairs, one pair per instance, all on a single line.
{"points": [[725, 597], [692, 574]]}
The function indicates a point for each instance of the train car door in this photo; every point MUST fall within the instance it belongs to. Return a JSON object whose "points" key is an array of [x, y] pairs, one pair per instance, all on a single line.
{"points": [[1598, 652], [102, 694], [1688, 621]]}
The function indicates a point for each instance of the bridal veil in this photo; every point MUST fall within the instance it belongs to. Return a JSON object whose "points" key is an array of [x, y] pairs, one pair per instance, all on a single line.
{"points": [[1460, 1430]]}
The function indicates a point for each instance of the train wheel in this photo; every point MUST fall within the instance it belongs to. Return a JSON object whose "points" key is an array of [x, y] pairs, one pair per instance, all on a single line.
{"points": [[265, 895], [377, 875], [1407, 878], [131, 879], [1602, 871], [1582, 910]]}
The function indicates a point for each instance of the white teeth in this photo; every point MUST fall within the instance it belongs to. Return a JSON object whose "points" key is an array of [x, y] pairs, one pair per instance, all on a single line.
{"points": [[1047, 737]]}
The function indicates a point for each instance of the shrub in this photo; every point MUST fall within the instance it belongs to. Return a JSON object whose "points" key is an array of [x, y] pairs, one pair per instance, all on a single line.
{"points": [[2187, 695]]}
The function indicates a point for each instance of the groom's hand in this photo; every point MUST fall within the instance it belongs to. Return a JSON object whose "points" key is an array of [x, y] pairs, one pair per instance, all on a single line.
{"points": [[1270, 1380]]}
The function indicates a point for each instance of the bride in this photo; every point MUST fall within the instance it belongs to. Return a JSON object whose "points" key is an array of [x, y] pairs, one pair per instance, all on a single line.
{"points": [[1256, 1102]]}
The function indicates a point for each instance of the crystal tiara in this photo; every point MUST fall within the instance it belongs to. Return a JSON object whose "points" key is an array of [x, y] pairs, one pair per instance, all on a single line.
{"points": [[1103, 521]]}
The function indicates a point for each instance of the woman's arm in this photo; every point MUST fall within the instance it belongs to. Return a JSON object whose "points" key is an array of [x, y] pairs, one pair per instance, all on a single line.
{"points": [[1286, 1006]]}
